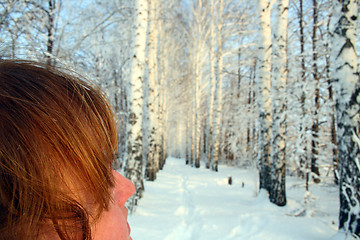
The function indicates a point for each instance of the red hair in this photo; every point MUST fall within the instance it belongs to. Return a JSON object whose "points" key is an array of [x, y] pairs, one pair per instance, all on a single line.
{"points": [[57, 146]]}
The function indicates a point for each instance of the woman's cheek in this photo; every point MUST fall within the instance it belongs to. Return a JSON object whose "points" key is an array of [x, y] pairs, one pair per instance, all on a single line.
{"points": [[112, 225]]}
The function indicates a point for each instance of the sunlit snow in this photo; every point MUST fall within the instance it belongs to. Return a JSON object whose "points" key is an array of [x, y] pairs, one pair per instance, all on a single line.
{"points": [[186, 203]]}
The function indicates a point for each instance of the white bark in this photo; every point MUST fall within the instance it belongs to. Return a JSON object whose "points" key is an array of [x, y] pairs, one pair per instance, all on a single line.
{"points": [[134, 165], [162, 73], [302, 140], [218, 99], [188, 138], [193, 124], [197, 93], [152, 165], [198, 33], [345, 77], [163, 107], [210, 120], [165, 126], [278, 80], [263, 82]]}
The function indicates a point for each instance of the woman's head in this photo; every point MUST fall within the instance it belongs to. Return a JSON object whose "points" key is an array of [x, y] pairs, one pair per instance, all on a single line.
{"points": [[57, 146]]}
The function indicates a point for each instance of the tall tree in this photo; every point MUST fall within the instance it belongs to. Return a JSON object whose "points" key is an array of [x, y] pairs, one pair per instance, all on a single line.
{"points": [[162, 71], [316, 76], [278, 80], [210, 119], [219, 85], [50, 27], [30, 24], [250, 138], [199, 32], [263, 82], [347, 95], [152, 161], [330, 88], [303, 156], [134, 161]]}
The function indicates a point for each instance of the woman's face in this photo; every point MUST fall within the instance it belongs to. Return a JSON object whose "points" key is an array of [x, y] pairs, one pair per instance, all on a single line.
{"points": [[113, 224]]}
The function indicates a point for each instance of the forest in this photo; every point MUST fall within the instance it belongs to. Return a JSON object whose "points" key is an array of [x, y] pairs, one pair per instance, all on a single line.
{"points": [[269, 84]]}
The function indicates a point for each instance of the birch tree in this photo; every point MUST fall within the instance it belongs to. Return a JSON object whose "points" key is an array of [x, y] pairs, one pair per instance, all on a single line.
{"points": [[219, 85], [162, 73], [316, 76], [250, 133], [303, 158], [330, 88], [10, 28], [347, 96], [263, 82], [173, 72], [152, 164], [304, 140], [278, 79], [30, 24], [198, 33], [134, 161], [229, 21], [210, 120], [309, 108], [50, 27]]}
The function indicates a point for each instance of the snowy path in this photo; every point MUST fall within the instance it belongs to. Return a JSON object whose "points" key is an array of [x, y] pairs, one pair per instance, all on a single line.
{"points": [[186, 203]]}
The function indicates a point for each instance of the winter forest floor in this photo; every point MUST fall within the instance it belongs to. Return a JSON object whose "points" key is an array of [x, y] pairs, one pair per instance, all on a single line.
{"points": [[186, 203]]}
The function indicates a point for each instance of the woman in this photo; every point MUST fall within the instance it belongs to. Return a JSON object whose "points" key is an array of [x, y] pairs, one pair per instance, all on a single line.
{"points": [[57, 147]]}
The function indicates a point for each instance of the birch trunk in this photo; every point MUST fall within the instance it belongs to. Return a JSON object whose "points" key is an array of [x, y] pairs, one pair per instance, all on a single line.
{"points": [[218, 100], [250, 111], [279, 77], [303, 136], [193, 125], [162, 123], [162, 80], [188, 138], [333, 123], [198, 77], [134, 164], [165, 126], [315, 127], [263, 82], [347, 88], [152, 164], [199, 40], [210, 119], [50, 32]]}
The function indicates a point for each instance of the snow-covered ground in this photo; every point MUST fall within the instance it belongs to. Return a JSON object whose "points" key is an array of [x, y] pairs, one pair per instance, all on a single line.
{"points": [[186, 203]]}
